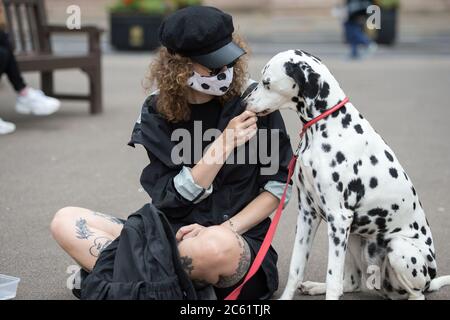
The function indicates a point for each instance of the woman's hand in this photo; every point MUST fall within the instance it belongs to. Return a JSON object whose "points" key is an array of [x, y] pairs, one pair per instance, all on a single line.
{"points": [[240, 129], [189, 231]]}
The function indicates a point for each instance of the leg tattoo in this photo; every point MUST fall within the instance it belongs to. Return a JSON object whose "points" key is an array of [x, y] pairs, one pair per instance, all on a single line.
{"points": [[241, 270], [224, 281], [99, 245], [82, 229], [108, 217], [186, 263]]}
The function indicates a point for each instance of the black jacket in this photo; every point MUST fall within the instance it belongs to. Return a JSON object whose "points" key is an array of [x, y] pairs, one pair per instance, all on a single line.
{"points": [[141, 264], [233, 188]]}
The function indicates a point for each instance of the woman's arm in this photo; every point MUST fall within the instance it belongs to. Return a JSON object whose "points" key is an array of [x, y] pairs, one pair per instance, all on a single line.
{"points": [[239, 130], [256, 211], [205, 171], [266, 202]]}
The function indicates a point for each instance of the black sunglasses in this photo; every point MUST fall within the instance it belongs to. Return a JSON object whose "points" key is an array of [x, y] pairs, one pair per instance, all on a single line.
{"points": [[216, 71]]}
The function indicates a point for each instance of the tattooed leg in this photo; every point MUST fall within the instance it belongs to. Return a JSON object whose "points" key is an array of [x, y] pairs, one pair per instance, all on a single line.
{"points": [[108, 217], [243, 265], [99, 245], [84, 234], [82, 229], [241, 270], [186, 263], [98, 240], [215, 256], [188, 267]]}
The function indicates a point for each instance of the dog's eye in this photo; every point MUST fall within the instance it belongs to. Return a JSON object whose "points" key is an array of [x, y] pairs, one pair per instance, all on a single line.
{"points": [[266, 83]]}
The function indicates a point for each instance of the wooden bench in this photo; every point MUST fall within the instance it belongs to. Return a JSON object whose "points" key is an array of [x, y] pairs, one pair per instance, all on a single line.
{"points": [[31, 38]]}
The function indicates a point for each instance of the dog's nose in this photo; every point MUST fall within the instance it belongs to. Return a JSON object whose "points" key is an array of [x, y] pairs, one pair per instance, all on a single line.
{"points": [[244, 103]]}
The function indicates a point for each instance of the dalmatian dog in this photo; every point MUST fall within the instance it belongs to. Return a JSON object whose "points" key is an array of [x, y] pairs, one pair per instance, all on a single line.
{"points": [[349, 177]]}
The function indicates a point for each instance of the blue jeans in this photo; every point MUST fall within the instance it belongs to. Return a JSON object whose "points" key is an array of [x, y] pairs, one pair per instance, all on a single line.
{"points": [[355, 36]]}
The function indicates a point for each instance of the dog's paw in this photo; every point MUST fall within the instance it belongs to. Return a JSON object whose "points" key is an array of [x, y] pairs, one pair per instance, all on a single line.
{"points": [[312, 288]]}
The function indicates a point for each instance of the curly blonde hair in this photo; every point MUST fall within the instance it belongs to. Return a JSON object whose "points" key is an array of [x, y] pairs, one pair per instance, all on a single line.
{"points": [[170, 72]]}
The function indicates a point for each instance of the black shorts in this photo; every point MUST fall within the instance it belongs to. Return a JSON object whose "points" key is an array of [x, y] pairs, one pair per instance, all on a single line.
{"points": [[255, 289]]}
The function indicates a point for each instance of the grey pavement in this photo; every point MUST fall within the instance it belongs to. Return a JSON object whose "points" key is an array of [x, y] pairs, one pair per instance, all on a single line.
{"points": [[72, 158]]}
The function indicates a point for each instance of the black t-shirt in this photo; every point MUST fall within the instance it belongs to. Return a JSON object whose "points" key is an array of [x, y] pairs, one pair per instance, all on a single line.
{"points": [[204, 116], [208, 113], [235, 185]]}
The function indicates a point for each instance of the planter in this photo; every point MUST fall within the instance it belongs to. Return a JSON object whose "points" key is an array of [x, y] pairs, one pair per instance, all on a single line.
{"points": [[134, 31], [388, 32]]}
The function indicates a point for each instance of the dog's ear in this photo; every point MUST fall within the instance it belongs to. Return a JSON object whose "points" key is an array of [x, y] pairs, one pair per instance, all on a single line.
{"points": [[294, 71], [305, 77]]}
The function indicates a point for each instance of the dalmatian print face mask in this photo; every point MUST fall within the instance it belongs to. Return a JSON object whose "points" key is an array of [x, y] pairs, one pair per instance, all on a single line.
{"points": [[214, 85]]}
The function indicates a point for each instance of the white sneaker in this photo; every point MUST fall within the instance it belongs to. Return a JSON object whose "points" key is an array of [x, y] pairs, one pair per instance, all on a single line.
{"points": [[370, 50], [6, 127], [37, 103]]}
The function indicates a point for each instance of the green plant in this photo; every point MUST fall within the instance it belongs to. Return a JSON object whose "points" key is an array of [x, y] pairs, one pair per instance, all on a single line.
{"points": [[185, 3], [388, 4], [152, 6]]}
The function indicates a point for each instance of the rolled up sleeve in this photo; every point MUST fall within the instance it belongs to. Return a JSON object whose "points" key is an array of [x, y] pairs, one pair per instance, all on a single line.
{"points": [[185, 185], [276, 188]]}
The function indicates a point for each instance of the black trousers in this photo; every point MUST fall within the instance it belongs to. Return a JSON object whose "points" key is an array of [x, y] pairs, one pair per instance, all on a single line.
{"points": [[8, 63]]}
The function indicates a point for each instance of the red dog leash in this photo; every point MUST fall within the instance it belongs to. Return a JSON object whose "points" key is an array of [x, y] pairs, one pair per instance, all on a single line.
{"points": [[273, 226]]}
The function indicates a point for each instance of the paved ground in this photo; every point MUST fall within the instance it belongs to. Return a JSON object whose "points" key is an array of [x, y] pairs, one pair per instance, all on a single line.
{"points": [[72, 158]]}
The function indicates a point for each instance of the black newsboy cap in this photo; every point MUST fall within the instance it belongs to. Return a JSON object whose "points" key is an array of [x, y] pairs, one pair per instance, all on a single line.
{"points": [[201, 33]]}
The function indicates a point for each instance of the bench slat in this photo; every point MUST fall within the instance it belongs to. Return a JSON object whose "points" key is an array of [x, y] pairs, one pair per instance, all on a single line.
{"points": [[21, 27], [10, 25], [52, 62], [32, 25]]}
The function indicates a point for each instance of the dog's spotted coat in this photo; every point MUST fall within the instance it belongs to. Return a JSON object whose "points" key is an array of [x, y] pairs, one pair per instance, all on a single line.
{"points": [[348, 176]]}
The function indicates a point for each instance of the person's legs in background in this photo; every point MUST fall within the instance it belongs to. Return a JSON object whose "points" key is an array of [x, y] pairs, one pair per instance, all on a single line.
{"points": [[356, 37], [353, 36], [363, 39], [5, 127], [9, 64], [29, 100]]}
